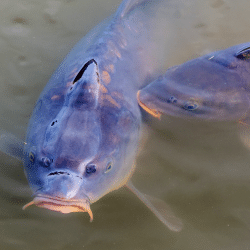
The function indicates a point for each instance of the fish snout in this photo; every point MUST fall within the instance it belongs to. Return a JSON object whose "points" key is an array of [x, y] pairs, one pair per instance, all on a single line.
{"points": [[60, 193], [62, 205], [62, 184]]}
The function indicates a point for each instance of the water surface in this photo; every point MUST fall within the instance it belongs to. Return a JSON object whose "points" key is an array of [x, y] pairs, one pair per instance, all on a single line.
{"points": [[201, 169]]}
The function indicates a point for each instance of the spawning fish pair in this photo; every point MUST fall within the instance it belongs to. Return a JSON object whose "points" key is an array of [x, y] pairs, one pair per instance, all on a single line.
{"points": [[82, 137]]}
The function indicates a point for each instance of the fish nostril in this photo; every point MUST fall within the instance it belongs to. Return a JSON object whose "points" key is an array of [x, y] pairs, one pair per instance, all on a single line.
{"points": [[46, 161], [90, 169], [58, 173], [172, 99]]}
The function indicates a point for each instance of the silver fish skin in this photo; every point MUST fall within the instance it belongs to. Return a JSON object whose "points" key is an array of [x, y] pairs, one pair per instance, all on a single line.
{"points": [[82, 136]]}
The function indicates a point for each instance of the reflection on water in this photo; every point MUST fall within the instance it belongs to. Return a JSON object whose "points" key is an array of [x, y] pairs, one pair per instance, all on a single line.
{"points": [[199, 168]]}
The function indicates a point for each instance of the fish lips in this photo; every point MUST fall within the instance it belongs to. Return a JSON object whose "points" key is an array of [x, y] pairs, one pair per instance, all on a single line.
{"points": [[62, 205]]}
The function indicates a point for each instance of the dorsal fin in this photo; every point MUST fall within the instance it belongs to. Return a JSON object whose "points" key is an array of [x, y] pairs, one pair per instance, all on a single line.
{"points": [[85, 89], [243, 54], [80, 73], [126, 6]]}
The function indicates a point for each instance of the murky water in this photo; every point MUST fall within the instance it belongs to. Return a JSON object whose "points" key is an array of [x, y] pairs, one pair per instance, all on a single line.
{"points": [[201, 169]]}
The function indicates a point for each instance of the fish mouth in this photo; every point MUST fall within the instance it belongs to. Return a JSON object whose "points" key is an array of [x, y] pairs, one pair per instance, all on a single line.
{"points": [[62, 205]]}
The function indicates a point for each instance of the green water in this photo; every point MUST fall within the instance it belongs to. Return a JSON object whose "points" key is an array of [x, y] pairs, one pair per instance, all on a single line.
{"points": [[201, 169]]}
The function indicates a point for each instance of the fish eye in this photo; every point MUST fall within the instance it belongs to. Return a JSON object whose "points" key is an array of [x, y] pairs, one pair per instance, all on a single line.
{"points": [[31, 156], [190, 106], [109, 167], [90, 169]]}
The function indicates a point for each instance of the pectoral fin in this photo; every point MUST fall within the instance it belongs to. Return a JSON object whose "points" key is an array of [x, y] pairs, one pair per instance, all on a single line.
{"points": [[161, 210], [11, 145]]}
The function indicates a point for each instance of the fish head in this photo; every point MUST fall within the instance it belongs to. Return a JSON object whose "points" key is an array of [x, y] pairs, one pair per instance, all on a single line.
{"points": [[233, 62], [82, 153]]}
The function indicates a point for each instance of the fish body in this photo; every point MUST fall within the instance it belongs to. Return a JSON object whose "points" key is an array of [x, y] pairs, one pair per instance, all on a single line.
{"points": [[82, 137], [213, 87]]}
